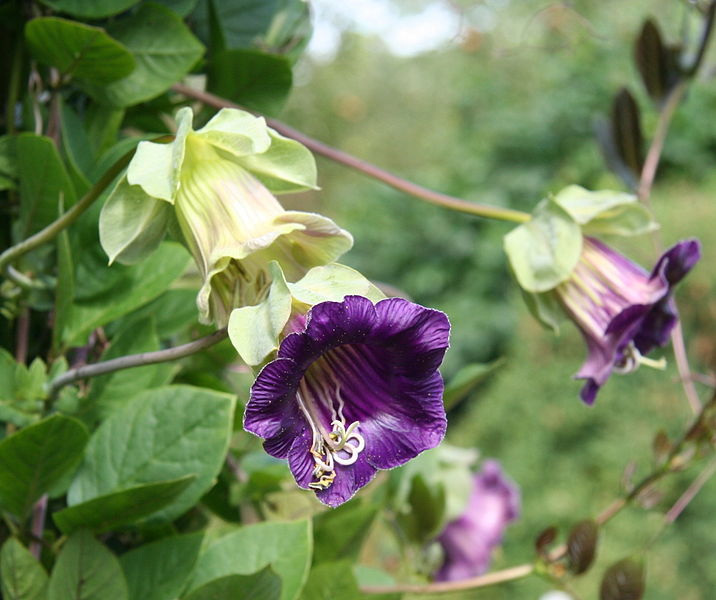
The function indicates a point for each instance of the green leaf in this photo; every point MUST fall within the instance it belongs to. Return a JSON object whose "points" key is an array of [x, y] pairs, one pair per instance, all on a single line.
{"points": [[179, 7], [119, 509], [129, 449], [340, 533], [90, 9], [174, 310], [264, 585], [103, 123], [242, 22], [78, 50], [254, 79], [22, 576], [132, 224], [624, 580], [466, 379], [22, 391], [65, 292], [254, 330], [76, 148], [8, 162], [158, 571], [285, 546], [331, 580], [164, 49], [111, 391], [43, 183], [606, 212], [86, 570], [545, 308], [544, 251], [35, 458], [333, 282], [131, 287]]}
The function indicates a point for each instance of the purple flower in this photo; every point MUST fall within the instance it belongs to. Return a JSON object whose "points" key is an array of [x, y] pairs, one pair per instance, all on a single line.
{"points": [[469, 540], [622, 311], [355, 390]]}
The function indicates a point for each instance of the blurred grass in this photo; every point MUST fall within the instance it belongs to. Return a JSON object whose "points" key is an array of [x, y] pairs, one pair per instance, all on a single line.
{"points": [[505, 121]]}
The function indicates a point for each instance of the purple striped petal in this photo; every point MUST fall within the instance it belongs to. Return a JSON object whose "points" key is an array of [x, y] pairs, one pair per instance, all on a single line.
{"points": [[355, 391]]}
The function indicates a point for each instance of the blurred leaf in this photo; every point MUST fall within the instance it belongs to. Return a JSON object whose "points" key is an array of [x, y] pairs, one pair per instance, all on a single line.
{"points": [[103, 124], [621, 139], [285, 546], [174, 310], [241, 22], [8, 162], [86, 570], [657, 63], [582, 546], [179, 7], [544, 541], [544, 251], [119, 509], [545, 308], [164, 50], [126, 288], [425, 515], [35, 458], [78, 50], [76, 148], [290, 29], [254, 79], [65, 292], [129, 449], [661, 445], [466, 379], [111, 391], [158, 571], [624, 580], [340, 533], [91, 9], [263, 585], [342, 585], [43, 183], [21, 574], [254, 330], [366, 575]]}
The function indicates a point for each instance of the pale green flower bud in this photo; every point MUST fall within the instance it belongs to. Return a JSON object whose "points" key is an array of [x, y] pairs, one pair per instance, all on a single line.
{"points": [[220, 180]]}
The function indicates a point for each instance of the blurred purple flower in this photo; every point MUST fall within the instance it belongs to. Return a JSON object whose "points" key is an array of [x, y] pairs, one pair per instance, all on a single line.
{"points": [[356, 389], [469, 540], [622, 311]]}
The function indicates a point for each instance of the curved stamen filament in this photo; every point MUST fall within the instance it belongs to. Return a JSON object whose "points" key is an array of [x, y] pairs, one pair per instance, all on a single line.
{"points": [[633, 359]]}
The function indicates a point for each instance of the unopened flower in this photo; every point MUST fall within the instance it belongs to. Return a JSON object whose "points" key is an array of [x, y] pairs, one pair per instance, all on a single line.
{"points": [[469, 540], [220, 182], [354, 389], [622, 311]]}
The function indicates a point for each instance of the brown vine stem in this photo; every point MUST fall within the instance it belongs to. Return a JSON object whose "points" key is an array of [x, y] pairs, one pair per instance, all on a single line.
{"points": [[371, 170], [518, 572], [134, 360]]}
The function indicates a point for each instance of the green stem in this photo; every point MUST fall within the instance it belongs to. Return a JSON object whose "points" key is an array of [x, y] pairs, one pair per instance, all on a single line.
{"points": [[438, 198], [48, 233], [134, 360]]}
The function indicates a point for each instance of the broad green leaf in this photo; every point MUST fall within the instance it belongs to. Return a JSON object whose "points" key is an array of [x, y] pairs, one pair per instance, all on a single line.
{"points": [[290, 30], [8, 162], [465, 380], [340, 533], [158, 571], [242, 22], [76, 148], [132, 224], [174, 310], [90, 9], [333, 282], [21, 574], [103, 123], [256, 80], [131, 287], [254, 330], [130, 449], [179, 7], [44, 183], [264, 585], [111, 391], [86, 570], [119, 509], [285, 546], [606, 212], [331, 580], [164, 50], [35, 458], [78, 50], [544, 251]]}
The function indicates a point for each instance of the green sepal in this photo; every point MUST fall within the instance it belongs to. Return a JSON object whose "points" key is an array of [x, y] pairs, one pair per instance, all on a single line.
{"points": [[254, 330], [237, 132], [332, 283], [132, 224], [545, 308], [606, 212], [544, 251]]}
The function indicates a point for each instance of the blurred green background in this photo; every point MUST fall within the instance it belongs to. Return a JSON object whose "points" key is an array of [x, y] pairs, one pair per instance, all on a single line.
{"points": [[501, 109]]}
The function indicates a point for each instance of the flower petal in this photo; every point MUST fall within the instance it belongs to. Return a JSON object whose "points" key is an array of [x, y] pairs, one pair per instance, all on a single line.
{"points": [[348, 481]]}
